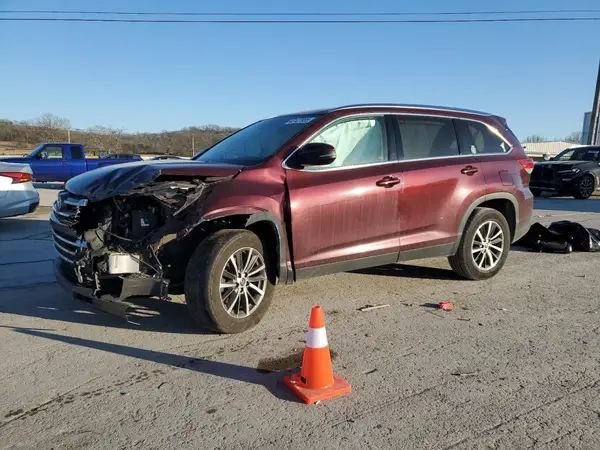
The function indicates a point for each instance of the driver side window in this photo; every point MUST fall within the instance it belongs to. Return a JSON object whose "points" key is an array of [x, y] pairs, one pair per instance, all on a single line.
{"points": [[51, 152], [356, 141]]}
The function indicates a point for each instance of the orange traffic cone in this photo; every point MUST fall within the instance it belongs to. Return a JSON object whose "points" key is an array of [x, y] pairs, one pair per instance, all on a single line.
{"points": [[316, 381]]}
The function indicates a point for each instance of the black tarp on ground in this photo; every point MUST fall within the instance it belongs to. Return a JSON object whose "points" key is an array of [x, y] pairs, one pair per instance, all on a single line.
{"points": [[562, 237]]}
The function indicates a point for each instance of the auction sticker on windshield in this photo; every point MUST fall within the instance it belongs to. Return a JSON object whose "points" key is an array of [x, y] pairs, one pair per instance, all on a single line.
{"points": [[299, 120]]}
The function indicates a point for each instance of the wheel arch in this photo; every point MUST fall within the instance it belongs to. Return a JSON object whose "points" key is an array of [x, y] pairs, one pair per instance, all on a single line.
{"points": [[503, 202], [268, 228]]}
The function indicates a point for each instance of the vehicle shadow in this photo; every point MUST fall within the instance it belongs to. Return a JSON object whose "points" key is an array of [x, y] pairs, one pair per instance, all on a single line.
{"points": [[591, 205], [410, 271], [270, 380], [48, 301], [19, 228], [54, 186]]}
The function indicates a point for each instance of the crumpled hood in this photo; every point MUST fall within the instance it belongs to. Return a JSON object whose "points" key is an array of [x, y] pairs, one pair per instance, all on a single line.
{"points": [[120, 179]]}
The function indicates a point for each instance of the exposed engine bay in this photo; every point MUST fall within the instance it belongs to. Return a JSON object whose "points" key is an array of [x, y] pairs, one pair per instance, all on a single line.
{"points": [[129, 244]]}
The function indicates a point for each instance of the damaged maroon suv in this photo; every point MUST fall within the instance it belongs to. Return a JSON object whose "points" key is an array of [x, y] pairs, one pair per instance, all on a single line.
{"points": [[292, 197]]}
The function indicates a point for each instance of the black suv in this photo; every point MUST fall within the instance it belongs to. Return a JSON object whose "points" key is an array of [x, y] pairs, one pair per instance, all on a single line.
{"points": [[575, 171]]}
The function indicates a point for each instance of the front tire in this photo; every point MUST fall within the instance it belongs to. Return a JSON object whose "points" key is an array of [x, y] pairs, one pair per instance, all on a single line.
{"points": [[585, 188], [227, 287], [483, 247]]}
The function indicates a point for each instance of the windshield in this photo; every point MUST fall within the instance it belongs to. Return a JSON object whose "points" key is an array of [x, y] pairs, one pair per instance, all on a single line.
{"points": [[582, 154], [255, 143], [35, 150]]}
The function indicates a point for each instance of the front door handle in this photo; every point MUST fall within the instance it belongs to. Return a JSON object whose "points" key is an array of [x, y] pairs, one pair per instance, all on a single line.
{"points": [[469, 170], [388, 181]]}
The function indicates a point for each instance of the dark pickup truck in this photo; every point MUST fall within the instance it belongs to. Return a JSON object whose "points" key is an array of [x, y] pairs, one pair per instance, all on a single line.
{"points": [[63, 161]]}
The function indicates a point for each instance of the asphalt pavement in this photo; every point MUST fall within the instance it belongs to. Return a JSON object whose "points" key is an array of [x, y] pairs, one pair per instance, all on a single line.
{"points": [[514, 365]]}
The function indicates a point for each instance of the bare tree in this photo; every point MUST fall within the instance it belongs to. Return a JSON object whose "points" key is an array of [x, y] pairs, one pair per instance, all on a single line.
{"points": [[574, 137], [51, 127], [535, 138], [163, 142], [106, 139]]}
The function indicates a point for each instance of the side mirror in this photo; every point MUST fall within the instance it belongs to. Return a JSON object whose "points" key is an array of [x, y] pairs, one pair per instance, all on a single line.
{"points": [[314, 154]]}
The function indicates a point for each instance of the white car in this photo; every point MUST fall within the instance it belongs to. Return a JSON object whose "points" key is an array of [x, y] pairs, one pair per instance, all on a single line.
{"points": [[17, 194]]}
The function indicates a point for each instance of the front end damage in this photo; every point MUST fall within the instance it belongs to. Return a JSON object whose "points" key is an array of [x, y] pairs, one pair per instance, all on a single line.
{"points": [[112, 247]]}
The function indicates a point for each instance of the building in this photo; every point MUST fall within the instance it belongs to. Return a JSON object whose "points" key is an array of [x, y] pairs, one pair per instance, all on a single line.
{"points": [[552, 148]]}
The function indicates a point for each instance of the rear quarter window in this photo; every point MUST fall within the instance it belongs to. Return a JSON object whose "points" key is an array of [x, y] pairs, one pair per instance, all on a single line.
{"points": [[477, 138]]}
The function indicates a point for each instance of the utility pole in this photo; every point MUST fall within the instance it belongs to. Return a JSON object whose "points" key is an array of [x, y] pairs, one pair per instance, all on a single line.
{"points": [[69, 135], [193, 144], [593, 134]]}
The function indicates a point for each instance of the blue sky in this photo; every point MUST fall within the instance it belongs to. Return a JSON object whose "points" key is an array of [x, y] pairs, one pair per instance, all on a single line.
{"points": [[149, 77]]}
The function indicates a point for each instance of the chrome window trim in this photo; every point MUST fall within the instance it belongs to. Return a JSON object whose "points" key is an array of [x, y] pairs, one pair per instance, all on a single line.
{"points": [[389, 113]]}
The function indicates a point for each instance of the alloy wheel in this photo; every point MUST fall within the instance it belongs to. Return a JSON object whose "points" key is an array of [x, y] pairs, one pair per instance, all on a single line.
{"points": [[243, 282], [488, 245], [586, 186]]}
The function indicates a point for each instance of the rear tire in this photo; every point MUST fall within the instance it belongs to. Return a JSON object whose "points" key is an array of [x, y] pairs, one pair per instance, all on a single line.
{"points": [[483, 247], [585, 188], [218, 289]]}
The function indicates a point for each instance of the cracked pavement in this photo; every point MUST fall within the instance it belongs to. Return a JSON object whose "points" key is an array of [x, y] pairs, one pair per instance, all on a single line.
{"points": [[515, 365]]}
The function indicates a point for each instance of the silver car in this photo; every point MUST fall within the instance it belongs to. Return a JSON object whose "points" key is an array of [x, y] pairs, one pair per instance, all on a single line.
{"points": [[17, 194]]}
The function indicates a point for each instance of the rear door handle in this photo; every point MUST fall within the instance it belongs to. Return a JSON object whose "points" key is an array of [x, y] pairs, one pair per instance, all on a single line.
{"points": [[388, 181], [469, 170]]}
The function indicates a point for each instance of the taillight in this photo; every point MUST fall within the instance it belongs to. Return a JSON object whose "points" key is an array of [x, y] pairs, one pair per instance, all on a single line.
{"points": [[527, 164], [17, 177]]}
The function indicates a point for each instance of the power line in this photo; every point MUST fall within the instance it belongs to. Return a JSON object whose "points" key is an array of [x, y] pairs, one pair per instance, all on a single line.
{"points": [[303, 14], [300, 21]]}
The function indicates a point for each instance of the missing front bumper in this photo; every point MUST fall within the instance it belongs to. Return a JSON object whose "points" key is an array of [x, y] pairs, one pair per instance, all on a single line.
{"points": [[139, 286]]}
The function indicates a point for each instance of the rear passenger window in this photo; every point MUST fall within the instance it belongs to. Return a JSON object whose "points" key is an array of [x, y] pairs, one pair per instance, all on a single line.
{"points": [[427, 137], [479, 138], [76, 152]]}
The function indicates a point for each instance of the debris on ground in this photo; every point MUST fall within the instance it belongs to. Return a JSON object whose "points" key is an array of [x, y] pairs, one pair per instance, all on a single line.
{"points": [[464, 374], [561, 237], [370, 371], [446, 306], [371, 307]]}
